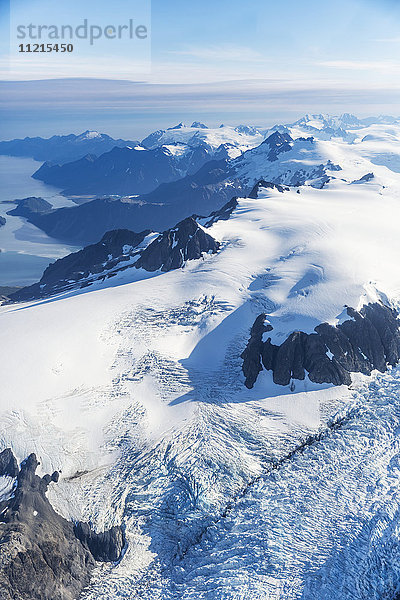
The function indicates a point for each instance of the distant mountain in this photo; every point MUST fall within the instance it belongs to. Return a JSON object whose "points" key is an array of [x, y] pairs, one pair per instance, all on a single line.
{"points": [[63, 148], [164, 156], [121, 171], [242, 138], [200, 193], [279, 159]]}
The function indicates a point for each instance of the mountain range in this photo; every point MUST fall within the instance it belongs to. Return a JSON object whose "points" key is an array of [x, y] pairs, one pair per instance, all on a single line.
{"points": [[214, 382]]}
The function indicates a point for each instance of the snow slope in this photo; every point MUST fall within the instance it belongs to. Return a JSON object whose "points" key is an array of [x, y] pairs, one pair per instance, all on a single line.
{"points": [[133, 389]]}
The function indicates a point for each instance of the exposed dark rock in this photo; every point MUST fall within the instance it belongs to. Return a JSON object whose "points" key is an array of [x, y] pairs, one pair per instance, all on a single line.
{"points": [[260, 185], [368, 340], [3, 221], [268, 354], [289, 359], [365, 178], [320, 368], [278, 143], [252, 353], [6, 291], [27, 207], [106, 546], [8, 464], [222, 214], [115, 247], [41, 557], [171, 249]]}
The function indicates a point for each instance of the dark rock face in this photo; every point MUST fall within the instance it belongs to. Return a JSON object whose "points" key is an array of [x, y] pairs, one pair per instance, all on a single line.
{"points": [[198, 125], [222, 214], [8, 464], [170, 250], [368, 340], [186, 241], [106, 546], [260, 185], [41, 557], [30, 206], [365, 178], [115, 247], [252, 353], [3, 221], [278, 143]]}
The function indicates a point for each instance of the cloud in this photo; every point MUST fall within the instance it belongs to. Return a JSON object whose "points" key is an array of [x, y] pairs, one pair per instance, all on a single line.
{"points": [[227, 52], [361, 65], [395, 40]]}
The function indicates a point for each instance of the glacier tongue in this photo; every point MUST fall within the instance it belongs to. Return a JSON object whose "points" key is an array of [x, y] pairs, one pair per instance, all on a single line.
{"points": [[319, 523]]}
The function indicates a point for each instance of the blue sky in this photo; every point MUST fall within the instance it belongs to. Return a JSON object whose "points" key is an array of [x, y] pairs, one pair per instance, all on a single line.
{"points": [[208, 40], [331, 56]]}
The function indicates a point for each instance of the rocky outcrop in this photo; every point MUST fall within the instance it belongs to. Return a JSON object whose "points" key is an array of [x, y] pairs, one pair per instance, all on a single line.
{"points": [[115, 248], [171, 249], [119, 250], [365, 178], [265, 185], [42, 555], [222, 214], [8, 464], [28, 207], [368, 340], [106, 546], [253, 351], [3, 221]]}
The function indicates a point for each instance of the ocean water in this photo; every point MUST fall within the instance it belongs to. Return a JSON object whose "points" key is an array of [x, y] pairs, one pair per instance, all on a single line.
{"points": [[26, 250]]}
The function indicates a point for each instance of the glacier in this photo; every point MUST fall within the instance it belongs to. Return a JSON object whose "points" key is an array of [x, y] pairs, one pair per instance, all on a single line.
{"points": [[133, 390]]}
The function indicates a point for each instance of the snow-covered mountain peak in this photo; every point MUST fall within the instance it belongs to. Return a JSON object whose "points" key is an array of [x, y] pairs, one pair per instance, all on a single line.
{"points": [[179, 126], [90, 135], [198, 125], [197, 135]]}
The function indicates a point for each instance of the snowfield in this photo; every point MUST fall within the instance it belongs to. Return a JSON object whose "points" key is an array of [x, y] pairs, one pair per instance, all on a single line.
{"points": [[133, 389]]}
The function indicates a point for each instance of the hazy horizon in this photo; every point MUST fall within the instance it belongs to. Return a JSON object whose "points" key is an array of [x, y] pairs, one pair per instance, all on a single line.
{"points": [[133, 109]]}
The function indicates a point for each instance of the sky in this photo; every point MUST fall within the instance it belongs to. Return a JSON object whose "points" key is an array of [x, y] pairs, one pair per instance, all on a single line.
{"points": [[261, 60]]}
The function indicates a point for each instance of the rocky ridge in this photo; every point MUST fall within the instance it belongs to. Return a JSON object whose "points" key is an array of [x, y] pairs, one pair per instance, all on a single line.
{"points": [[119, 250], [368, 340]]}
